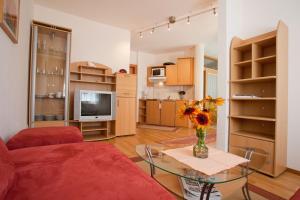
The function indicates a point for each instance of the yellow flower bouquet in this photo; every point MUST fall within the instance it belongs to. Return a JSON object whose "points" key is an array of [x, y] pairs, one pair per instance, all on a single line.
{"points": [[202, 114]]}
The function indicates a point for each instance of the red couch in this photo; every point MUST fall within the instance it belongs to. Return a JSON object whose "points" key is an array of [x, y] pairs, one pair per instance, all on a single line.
{"points": [[32, 137], [74, 171]]}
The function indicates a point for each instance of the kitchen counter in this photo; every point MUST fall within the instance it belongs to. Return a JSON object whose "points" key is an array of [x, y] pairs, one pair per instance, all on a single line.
{"points": [[165, 99], [162, 112]]}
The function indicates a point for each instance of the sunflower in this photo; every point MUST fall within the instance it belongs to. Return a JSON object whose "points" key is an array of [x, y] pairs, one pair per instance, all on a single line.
{"points": [[202, 119], [219, 101], [187, 110]]}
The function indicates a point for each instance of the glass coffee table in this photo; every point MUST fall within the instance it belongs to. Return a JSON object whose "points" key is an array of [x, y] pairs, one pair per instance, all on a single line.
{"points": [[153, 155]]}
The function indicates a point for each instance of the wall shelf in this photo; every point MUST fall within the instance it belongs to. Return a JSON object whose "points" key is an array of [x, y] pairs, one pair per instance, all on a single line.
{"points": [[93, 74], [82, 81]]}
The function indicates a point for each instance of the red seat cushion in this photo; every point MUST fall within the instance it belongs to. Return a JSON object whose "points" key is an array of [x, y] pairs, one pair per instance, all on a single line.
{"points": [[45, 136], [88, 171], [7, 170], [296, 196]]}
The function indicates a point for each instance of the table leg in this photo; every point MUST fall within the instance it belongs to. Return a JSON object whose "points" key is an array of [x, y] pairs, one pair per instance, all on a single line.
{"points": [[207, 187], [246, 193], [149, 154]]}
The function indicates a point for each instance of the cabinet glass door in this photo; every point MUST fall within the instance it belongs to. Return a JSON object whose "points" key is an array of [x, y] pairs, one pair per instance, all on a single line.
{"points": [[49, 76]]}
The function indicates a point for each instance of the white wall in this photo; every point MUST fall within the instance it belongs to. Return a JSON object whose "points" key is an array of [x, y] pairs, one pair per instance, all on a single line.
{"points": [[91, 41], [143, 60], [246, 18], [172, 56], [14, 75]]}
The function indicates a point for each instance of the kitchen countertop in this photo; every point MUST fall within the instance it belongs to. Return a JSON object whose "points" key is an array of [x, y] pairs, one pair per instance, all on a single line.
{"points": [[165, 99]]}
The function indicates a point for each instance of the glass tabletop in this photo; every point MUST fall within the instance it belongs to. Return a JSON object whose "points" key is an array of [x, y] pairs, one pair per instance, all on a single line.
{"points": [[169, 164]]}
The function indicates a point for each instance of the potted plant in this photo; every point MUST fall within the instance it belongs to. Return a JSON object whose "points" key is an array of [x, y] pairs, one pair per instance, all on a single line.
{"points": [[202, 114], [181, 94]]}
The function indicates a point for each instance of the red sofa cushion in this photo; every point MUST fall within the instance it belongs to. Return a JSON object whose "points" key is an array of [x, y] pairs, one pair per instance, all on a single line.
{"points": [[7, 170], [79, 171], [45, 136]]}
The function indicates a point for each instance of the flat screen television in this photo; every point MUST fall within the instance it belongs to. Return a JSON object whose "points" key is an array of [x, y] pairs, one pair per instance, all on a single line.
{"points": [[94, 105]]}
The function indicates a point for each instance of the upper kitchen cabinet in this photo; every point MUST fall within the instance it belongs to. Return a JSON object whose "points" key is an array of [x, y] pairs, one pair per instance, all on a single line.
{"points": [[185, 71], [182, 73], [171, 74], [49, 75]]}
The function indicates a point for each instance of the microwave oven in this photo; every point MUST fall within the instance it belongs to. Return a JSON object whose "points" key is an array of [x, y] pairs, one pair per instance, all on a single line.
{"points": [[158, 71]]}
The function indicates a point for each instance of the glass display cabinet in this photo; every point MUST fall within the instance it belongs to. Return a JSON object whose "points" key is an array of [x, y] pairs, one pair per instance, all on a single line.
{"points": [[49, 75]]}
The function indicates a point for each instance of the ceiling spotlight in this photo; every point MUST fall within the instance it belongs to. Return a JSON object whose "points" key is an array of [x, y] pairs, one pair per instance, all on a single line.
{"points": [[141, 35], [169, 28], [188, 20], [215, 12], [152, 31], [172, 19]]}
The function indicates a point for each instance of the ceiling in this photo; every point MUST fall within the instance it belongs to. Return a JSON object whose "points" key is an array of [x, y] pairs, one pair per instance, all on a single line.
{"points": [[203, 29], [138, 14]]}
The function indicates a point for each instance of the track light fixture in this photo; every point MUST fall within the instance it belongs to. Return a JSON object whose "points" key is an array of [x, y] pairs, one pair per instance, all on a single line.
{"points": [[188, 20], [173, 20], [215, 12], [152, 31]]}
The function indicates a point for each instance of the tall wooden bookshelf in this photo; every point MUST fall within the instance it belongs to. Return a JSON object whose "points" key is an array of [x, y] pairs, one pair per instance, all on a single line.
{"points": [[258, 98]]}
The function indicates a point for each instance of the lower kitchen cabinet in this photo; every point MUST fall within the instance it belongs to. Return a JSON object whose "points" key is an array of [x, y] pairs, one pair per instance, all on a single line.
{"points": [[168, 113], [165, 113], [153, 112], [181, 122]]}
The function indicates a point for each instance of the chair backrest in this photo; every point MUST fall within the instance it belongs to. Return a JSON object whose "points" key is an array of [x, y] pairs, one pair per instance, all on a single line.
{"points": [[7, 170]]}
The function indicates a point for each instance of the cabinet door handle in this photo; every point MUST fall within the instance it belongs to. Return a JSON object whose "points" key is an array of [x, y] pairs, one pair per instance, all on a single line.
{"points": [[118, 102]]}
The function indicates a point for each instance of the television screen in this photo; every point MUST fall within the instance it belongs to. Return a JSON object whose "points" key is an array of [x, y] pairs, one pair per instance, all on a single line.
{"points": [[95, 104]]}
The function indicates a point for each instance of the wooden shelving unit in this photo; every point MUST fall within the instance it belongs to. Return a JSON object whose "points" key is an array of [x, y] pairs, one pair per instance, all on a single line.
{"points": [[142, 111], [85, 77], [259, 69]]}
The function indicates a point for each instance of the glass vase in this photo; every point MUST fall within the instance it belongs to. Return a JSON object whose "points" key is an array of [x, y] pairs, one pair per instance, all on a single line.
{"points": [[200, 149]]}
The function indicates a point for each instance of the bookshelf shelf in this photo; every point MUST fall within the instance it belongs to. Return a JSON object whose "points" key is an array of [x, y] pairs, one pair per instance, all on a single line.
{"points": [[253, 118], [252, 80], [93, 82], [266, 59], [254, 99]]}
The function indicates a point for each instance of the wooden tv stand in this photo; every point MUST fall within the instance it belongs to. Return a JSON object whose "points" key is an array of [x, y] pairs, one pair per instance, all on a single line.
{"points": [[101, 78]]}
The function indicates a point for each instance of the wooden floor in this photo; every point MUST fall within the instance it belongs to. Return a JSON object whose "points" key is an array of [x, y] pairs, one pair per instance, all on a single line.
{"points": [[285, 185]]}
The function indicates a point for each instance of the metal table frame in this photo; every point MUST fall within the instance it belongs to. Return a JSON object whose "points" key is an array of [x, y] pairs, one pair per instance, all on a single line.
{"points": [[207, 187]]}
